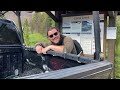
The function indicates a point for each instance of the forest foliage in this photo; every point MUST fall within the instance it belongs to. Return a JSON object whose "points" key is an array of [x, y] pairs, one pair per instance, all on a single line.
{"points": [[117, 50], [35, 30]]}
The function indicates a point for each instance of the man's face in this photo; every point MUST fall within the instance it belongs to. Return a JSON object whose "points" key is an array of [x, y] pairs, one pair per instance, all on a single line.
{"points": [[54, 36]]}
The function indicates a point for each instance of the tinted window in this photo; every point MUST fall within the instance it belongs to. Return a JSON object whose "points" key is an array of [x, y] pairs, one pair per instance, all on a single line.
{"points": [[8, 33]]}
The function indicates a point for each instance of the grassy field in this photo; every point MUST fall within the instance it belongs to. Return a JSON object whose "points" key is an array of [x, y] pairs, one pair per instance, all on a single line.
{"points": [[117, 67], [117, 51], [32, 39], [117, 57]]}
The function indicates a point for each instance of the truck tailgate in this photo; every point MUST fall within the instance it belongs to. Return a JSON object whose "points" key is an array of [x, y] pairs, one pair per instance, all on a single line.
{"points": [[99, 70]]}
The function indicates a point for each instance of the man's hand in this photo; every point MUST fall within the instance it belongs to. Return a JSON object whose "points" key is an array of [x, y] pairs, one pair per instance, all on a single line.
{"points": [[38, 49], [44, 50]]}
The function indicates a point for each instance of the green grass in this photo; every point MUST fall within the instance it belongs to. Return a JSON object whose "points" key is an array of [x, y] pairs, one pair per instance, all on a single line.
{"points": [[117, 67], [34, 38], [117, 60], [117, 52]]}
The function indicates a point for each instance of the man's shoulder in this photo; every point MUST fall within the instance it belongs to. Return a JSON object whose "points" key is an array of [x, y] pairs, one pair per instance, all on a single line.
{"points": [[68, 38]]}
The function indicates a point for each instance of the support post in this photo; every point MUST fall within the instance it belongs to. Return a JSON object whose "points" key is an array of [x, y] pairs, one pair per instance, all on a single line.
{"points": [[96, 21], [111, 42]]}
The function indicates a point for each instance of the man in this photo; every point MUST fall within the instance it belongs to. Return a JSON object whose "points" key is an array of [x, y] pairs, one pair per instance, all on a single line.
{"points": [[59, 43]]}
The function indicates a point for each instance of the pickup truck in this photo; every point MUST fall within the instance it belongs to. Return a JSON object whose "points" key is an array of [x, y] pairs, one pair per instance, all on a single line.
{"points": [[18, 61]]}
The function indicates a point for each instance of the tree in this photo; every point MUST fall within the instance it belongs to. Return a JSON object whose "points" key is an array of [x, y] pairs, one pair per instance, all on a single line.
{"points": [[26, 31], [44, 22], [41, 22], [36, 22]]}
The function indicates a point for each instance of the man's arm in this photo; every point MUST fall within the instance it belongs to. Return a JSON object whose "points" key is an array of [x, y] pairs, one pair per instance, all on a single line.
{"points": [[42, 44], [54, 48], [40, 47], [67, 47]]}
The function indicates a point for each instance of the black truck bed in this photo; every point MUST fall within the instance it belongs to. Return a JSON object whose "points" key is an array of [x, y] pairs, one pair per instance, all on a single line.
{"points": [[11, 58]]}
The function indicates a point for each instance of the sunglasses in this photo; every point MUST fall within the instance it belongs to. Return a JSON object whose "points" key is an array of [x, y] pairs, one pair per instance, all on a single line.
{"points": [[51, 36]]}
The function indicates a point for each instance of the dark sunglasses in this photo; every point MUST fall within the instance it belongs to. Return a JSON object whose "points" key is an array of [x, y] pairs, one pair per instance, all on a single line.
{"points": [[56, 33]]}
